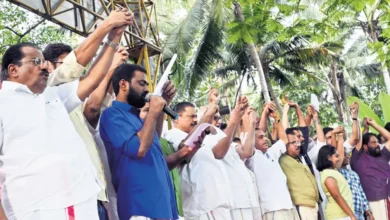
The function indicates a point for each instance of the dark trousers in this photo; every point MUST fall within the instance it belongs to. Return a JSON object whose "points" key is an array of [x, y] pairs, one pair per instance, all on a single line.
{"points": [[103, 215]]}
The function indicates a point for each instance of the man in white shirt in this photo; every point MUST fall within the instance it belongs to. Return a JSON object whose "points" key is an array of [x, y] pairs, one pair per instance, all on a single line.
{"points": [[275, 200], [245, 198], [205, 182], [46, 172]]}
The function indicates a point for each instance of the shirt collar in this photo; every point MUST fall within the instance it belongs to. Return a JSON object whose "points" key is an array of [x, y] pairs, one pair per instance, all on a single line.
{"points": [[125, 106], [14, 86]]}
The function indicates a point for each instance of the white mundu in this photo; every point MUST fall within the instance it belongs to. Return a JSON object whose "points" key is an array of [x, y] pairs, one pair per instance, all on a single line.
{"points": [[44, 164], [244, 195], [204, 181], [271, 181]]}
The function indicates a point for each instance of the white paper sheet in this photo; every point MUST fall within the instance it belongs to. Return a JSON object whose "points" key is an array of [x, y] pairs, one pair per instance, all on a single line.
{"points": [[315, 103], [195, 135], [164, 78]]}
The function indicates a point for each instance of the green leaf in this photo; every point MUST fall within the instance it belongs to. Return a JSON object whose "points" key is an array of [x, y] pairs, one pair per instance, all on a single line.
{"points": [[358, 5], [365, 110], [384, 101]]}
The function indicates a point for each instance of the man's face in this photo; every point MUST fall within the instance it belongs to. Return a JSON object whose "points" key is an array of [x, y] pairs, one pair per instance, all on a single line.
{"points": [[261, 142], [217, 120], [144, 111], [136, 90], [328, 137], [347, 159], [293, 146], [187, 120], [52, 65], [373, 147], [31, 71], [299, 135]]}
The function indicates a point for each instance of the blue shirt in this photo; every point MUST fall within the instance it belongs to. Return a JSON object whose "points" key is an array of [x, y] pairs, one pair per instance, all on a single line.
{"points": [[360, 202], [143, 185]]}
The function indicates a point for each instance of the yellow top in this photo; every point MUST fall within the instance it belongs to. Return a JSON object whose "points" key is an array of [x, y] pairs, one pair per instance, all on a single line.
{"points": [[333, 210]]}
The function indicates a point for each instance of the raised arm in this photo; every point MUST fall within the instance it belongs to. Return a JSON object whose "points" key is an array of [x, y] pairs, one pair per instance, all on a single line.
{"points": [[223, 145], [146, 134], [317, 124], [248, 147], [298, 111], [339, 131], [95, 101], [354, 139], [331, 185], [381, 131], [285, 122], [169, 92], [279, 127], [366, 127], [100, 67], [264, 117], [87, 50]]}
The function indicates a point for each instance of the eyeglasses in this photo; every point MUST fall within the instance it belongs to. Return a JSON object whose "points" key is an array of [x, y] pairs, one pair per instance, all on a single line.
{"points": [[36, 61], [216, 118], [296, 143], [56, 61]]}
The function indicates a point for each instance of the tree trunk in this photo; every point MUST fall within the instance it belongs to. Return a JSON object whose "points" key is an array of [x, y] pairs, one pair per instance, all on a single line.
{"points": [[255, 57], [372, 29], [343, 91], [336, 91], [271, 90]]}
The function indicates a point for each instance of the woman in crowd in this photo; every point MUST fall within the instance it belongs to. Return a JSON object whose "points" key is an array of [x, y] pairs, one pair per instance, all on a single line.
{"points": [[335, 186]]}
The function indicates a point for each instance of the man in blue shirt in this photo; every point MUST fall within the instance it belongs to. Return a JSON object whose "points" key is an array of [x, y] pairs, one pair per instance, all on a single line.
{"points": [[139, 170]]}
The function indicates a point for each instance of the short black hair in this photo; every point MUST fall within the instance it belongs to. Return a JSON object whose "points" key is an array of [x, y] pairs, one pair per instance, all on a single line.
{"points": [[379, 136], [323, 162], [236, 139], [223, 126], [327, 129], [53, 51], [291, 131], [181, 106], [12, 56], [366, 137], [387, 126], [124, 71]]}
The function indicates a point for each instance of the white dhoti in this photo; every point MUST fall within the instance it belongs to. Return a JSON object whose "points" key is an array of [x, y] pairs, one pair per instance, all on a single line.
{"points": [[220, 213], [84, 211], [285, 214], [380, 209], [242, 214], [308, 213]]}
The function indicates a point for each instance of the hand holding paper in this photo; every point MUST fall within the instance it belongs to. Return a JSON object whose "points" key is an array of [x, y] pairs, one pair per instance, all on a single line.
{"points": [[314, 102], [195, 137]]}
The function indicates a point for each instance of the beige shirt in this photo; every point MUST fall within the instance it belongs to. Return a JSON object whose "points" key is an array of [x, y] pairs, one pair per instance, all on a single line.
{"points": [[69, 71]]}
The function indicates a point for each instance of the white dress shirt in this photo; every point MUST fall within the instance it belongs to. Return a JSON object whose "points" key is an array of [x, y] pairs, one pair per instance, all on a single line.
{"points": [[271, 181], [43, 161], [204, 181], [241, 183]]}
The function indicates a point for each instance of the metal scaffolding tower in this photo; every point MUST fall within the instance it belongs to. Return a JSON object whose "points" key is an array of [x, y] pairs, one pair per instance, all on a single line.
{"points": [[83, 16]]}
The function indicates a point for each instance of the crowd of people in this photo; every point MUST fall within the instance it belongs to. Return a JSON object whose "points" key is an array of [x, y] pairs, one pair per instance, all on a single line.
{"points": [[77, 146]]}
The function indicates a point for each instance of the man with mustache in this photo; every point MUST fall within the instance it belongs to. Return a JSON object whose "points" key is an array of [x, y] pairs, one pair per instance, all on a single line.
{"points": [[139, 170], [46, 170], [275, 200], [205, 182], [372, 165]]}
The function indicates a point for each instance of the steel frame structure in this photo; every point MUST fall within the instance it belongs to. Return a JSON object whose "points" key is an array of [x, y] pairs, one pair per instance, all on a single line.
{"points": [[82, 17]]}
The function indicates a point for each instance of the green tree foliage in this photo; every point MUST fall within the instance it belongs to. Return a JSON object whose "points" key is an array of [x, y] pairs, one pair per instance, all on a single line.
{"points": [[18, 25]]}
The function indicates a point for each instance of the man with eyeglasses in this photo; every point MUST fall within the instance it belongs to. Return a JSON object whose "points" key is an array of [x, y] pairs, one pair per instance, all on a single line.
{"points": [[46, 170], [301, 181], [205, 181]]}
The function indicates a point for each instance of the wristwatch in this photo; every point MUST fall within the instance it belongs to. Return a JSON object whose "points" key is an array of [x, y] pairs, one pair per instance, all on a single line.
{"points": [[111, 44]]}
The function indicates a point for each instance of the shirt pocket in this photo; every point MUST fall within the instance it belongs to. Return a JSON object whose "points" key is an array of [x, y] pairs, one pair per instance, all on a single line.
{"points": [[55, 110]]}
